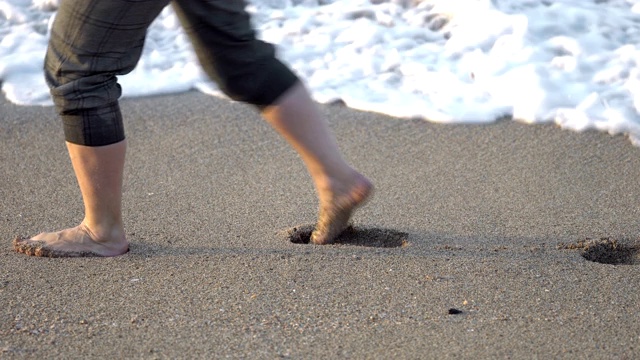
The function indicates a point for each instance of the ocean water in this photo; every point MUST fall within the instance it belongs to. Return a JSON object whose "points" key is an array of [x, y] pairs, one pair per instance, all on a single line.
{"points": [[575, 63]]}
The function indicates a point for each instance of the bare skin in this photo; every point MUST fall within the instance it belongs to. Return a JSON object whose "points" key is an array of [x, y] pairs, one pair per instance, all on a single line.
{"points": [[340, 188], [99, 170], [99, 173], [73, 242], [335, 212]]}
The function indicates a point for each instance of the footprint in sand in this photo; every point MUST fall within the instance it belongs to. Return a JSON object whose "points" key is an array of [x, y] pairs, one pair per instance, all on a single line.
{"points": [[359, 236], [608, 251]]}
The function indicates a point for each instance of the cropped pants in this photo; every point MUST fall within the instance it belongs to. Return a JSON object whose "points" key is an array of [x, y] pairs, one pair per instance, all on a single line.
{"points": [[92, 41]]}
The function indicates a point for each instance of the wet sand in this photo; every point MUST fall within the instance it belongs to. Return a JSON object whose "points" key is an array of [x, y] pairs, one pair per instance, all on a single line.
{"points": [[472, 246]]}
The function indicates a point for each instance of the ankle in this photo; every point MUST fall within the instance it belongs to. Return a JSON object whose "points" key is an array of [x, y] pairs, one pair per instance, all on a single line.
{"points": [[333, 186], [105, 231]]}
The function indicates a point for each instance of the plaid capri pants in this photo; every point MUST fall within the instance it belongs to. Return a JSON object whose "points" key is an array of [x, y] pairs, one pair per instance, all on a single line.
{"points": [[92, 41]]}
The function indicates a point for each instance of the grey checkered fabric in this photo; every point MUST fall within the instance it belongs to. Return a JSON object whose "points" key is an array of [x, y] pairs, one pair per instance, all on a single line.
{"points": [[92, 41]]}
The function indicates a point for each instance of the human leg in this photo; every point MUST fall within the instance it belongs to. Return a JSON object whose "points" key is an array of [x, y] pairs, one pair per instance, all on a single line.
{"points": [[340, 188], [247, 70], [92, 41], [101, 233]]}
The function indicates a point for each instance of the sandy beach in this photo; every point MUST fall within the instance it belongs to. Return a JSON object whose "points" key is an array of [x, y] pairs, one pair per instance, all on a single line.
{"points": [[480, 242]]}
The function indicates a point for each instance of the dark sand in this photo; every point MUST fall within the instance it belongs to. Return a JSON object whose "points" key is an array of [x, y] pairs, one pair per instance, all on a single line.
{"points": [[492, 223]]}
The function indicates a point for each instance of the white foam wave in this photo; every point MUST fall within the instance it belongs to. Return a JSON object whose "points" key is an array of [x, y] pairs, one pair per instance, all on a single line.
{"points": [[575, 63]]}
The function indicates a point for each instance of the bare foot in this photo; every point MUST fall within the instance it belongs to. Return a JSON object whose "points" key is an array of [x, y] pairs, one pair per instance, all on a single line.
{"points": [[335, 212], [74, 242]]}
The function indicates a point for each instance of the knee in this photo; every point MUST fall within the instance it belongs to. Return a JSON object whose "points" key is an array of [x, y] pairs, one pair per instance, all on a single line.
{"points": [[86, 102], [75, 89], [260, 84]]}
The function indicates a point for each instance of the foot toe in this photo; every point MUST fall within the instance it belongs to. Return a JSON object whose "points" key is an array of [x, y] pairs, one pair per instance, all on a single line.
{"points": [[39, 249]]}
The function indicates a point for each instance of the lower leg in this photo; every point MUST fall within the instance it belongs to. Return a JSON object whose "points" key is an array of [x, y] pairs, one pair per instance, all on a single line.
{"points": [[83, 58], [99, 171], [340, 188]]}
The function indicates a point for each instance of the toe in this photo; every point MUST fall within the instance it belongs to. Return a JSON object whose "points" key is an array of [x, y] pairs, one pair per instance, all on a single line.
{"points": [[28, 246]]}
